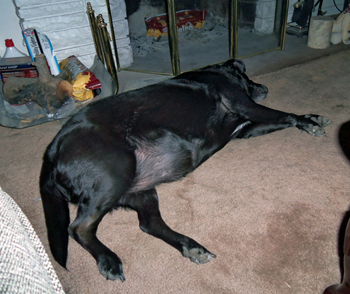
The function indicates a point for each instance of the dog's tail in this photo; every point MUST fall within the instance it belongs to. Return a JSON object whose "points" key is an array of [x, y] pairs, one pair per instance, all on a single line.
{"points": [[56, 210]]}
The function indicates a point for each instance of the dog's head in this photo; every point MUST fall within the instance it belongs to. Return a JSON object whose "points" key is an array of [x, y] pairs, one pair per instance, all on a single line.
{"points": [[236, 69]]}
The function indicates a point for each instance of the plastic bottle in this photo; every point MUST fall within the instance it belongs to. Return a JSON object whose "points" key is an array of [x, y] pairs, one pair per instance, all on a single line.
{"points": [[11, 50]]}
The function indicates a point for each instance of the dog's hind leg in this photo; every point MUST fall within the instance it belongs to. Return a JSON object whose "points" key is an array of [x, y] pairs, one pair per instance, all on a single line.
{"points": [[106, 183], [146, 205], [83, 230]]}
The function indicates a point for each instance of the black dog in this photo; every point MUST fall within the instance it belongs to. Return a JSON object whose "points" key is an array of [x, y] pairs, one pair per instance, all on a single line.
{"points": [[115, 152]]}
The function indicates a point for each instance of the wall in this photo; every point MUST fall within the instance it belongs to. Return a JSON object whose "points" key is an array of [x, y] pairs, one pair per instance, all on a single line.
{"points": [[9, 27]]}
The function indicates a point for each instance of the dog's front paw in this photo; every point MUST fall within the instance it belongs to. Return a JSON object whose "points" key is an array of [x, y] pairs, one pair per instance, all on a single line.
{"points": [[111, 267], [313, 124], [198, 255], [320, 120]]}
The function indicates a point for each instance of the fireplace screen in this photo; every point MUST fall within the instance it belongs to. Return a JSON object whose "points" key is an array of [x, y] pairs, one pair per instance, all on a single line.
{"points": [[174, 36]]}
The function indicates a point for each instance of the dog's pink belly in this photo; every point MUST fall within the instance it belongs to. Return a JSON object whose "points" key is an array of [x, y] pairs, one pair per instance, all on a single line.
{"points": [[166, 159]]}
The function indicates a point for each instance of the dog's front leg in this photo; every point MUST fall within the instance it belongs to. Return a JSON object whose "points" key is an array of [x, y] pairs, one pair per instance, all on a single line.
{"points": [[147, 207], [312, 124], [265, 120], [259, 129]]}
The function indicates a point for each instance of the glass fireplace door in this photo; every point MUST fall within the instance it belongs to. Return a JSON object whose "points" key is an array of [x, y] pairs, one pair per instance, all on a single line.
{"points": [[203, 31], [261, 26]]}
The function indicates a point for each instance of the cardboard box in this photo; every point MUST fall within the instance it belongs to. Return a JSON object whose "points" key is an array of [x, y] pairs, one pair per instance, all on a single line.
{"points": [[38, 43], [18, 66]]}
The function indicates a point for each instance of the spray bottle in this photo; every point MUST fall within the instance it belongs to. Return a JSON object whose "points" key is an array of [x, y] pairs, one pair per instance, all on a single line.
{"points": [[11, 50]]}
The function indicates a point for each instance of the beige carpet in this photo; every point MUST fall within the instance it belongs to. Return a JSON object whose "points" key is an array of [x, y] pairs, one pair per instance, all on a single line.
{"points": [[270, 207]]}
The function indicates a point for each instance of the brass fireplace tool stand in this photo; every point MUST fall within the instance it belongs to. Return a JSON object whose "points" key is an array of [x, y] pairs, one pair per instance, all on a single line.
{"points": [[102, 40]]}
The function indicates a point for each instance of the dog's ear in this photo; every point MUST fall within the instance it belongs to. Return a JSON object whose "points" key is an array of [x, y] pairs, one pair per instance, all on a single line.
{"points": [[240, 65], [237, 64]]}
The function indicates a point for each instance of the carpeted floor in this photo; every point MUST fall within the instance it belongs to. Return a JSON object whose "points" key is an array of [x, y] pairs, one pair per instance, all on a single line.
{"points": [[270, 207]]}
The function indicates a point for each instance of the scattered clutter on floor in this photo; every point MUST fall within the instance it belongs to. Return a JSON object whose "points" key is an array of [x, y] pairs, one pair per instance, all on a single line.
{"points": [[36, 89]]}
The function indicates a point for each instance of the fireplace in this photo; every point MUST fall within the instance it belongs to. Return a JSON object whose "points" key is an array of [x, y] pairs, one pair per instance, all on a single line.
{"points": [[173, 36]]}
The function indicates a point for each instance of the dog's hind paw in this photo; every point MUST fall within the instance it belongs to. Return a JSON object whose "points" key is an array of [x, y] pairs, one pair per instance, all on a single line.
{"points": [[111, 268], [198, 255]]}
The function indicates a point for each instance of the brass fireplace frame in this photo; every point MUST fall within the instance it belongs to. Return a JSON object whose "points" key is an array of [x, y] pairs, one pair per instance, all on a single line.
{"points": [[279, 30]]}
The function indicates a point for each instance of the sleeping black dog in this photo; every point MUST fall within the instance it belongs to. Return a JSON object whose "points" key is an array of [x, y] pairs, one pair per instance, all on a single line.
{"points": [[114, 152]]}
